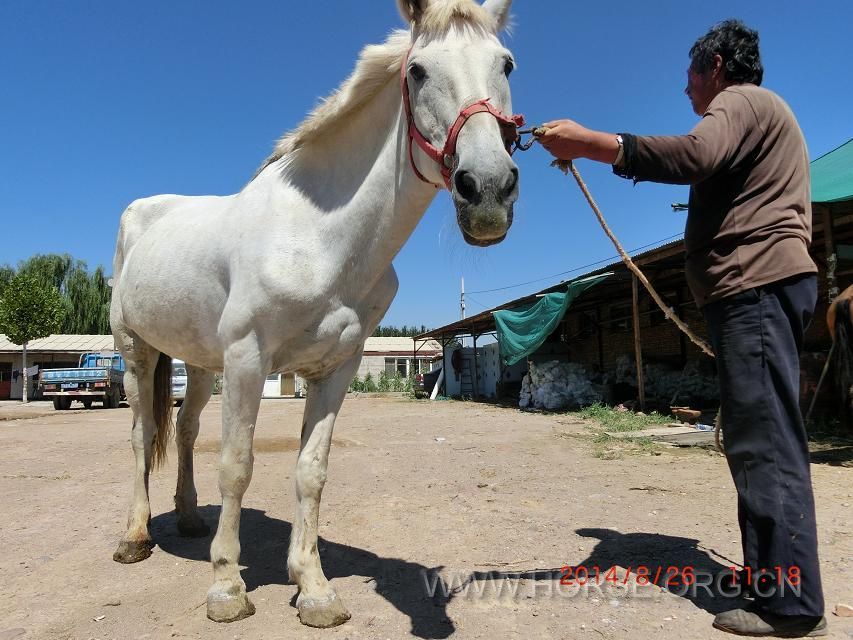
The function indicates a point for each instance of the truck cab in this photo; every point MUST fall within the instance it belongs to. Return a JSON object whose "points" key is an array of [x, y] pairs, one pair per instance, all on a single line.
{"points": [[99, 376]]}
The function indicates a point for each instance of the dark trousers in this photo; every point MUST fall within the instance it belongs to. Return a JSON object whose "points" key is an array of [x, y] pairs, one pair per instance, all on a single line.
{"points": [[757, 336]]}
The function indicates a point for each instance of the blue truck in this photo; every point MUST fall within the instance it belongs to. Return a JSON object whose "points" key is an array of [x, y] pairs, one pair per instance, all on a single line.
{"points": [[100, 377]]}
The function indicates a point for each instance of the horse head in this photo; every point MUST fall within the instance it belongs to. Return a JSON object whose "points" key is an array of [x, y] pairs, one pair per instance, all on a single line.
{"points": [[457, 99]]}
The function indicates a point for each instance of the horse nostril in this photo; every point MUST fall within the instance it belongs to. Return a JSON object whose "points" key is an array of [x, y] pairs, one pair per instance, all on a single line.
{"points": [[467, 185], [510, 182]]}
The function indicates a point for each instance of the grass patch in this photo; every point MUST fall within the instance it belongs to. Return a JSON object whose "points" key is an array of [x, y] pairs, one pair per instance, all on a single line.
{"points": [[612, 420], [611, 447]]}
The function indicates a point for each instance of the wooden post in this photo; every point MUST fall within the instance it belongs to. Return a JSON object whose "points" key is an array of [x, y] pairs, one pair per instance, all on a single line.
{"points": [[476, 369], [600, 338], [444, 363], [24, 367], [638, 350], [832, 289], [682, 339]]}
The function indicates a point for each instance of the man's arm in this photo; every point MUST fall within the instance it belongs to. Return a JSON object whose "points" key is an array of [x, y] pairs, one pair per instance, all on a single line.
{"points": [[686, 159], [567, 140]]}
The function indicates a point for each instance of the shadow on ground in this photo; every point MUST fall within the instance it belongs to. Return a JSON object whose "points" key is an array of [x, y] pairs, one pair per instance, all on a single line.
{"points": [[264, 541], [834, 456], [672, 554]]}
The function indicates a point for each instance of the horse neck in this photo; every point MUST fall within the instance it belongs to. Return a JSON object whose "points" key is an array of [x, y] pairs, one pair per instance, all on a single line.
{"points": [[358, 176]]}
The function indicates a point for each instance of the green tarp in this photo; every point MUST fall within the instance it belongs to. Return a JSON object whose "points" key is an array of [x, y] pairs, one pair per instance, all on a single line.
{"points": [[522, 331], [832, 175]]}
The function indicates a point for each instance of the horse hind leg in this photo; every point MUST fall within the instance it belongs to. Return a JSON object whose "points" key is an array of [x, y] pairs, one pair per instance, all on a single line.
{"points": [[199, 389], [142, 363], [318, 604]]}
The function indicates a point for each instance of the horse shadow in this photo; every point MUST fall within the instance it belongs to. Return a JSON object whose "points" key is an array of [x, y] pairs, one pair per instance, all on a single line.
{"points": [[264, 540], [673, 554]]}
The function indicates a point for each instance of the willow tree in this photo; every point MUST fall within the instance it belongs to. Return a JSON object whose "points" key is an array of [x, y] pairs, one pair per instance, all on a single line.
{"points": [[85, 296]]}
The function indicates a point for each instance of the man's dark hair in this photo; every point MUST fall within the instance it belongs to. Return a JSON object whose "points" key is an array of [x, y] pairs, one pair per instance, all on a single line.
{"points": [[737, 45]]}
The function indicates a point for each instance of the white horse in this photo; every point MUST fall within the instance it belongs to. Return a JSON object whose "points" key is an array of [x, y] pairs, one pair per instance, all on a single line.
{"points": [[294, 272]]}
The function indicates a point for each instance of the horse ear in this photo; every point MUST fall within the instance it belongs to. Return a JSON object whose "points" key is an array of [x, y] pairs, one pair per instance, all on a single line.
{"points": [[500, 10], [412, 10]]}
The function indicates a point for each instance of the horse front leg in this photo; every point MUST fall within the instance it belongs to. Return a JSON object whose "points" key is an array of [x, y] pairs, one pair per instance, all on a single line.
{"points": [[243, 385], [318, 604], [199, 389]]}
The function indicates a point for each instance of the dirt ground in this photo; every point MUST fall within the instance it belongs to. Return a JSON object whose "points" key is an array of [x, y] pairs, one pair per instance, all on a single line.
{"points": [[485, 504]]}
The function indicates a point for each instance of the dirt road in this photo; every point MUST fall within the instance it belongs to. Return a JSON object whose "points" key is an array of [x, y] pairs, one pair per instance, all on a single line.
{"points": [[481, 505]]}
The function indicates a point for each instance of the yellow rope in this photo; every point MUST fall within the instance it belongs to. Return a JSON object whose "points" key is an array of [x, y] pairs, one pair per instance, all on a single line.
{"points": [[567, 166]]}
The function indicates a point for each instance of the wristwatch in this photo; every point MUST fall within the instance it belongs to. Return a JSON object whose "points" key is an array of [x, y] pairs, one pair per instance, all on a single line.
{"points": [[621, 152]]}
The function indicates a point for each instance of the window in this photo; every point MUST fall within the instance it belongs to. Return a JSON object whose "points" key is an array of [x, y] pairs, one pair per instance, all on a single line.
{"points": [[272, 376], [390, 366], [401, 366]]}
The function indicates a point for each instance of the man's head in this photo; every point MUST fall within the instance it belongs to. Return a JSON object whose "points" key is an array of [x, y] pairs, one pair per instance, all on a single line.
{"points": [[726, 55]]}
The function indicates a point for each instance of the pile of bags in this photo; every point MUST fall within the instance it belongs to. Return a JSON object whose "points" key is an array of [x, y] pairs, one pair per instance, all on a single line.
{"points": [[557, 385], [665, 383]]}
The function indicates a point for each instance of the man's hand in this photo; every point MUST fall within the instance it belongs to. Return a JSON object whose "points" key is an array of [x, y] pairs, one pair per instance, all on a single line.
{"points": [[567, 140]]}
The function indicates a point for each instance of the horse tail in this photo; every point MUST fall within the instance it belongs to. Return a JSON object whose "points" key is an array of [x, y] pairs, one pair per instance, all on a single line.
{"points": [[162, 409], [843, 348]]}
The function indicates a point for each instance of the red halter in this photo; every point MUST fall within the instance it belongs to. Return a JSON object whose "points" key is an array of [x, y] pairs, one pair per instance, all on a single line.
{"points": [[446, 157]]}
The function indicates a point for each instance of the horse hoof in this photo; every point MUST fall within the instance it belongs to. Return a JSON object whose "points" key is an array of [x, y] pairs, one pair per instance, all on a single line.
{"points": [[193, 527], [322, 613], [228, 605], [129, 552]]}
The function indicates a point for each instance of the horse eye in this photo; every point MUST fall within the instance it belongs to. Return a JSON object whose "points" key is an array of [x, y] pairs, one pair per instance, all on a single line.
{"points": [[417, 72], [508, 67]]}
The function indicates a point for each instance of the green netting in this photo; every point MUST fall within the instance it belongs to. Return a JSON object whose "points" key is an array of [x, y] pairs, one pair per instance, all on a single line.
{"points": [[522, 331], [832, 175]]}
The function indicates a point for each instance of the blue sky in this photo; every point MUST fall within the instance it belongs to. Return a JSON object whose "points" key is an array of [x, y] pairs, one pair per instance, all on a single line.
{"points": [[104, 102]]}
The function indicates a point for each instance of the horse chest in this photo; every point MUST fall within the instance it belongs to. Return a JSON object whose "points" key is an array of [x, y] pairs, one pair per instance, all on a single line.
{"points": [[320, 343]]}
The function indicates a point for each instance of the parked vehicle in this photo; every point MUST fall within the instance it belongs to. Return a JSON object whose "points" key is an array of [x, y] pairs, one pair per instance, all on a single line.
{"points": [[424, 383], [100, 377], [179, 381]]}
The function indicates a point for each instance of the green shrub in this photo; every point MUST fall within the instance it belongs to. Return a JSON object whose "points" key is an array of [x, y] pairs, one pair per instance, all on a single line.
{"points": [[356, 384], [384, 381]]}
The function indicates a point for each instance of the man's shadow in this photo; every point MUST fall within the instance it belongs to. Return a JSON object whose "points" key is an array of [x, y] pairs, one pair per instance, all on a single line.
{"points": [[264, 540], [675, 556]]}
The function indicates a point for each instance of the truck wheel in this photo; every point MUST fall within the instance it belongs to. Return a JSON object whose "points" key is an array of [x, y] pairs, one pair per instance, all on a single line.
{"points": [[61, 403], [56, 404], [87, 403]]}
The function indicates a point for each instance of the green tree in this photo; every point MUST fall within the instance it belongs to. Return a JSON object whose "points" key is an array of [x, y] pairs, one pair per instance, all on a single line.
{"points": [[6, 275], [85, 296], [87, 302], [390, 331], [29, 310]]}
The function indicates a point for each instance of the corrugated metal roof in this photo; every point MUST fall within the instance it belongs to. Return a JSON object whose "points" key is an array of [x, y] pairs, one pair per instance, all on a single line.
{"points": [[384, 345], [61, 342]]}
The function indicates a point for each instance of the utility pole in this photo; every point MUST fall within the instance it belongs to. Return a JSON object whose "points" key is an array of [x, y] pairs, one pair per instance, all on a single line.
{"points": [[462, 300]]}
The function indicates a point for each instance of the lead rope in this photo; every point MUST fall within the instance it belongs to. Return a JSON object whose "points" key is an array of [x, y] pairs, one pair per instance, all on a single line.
{"points": [[567, 166]]}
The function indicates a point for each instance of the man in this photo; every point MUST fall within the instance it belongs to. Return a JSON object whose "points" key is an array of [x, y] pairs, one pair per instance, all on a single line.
{"points": [[747, 236]]}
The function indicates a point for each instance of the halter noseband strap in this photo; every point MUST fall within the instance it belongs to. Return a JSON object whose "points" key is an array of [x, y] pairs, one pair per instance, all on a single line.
{"points": [[446, 157]]}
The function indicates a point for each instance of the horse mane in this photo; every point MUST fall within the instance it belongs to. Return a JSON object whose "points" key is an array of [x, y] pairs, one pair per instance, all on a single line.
{"points": [[376, 65]]}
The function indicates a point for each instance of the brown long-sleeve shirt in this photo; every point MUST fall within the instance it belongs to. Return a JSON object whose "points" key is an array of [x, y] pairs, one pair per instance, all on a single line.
{"points": [[750, 219]]}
